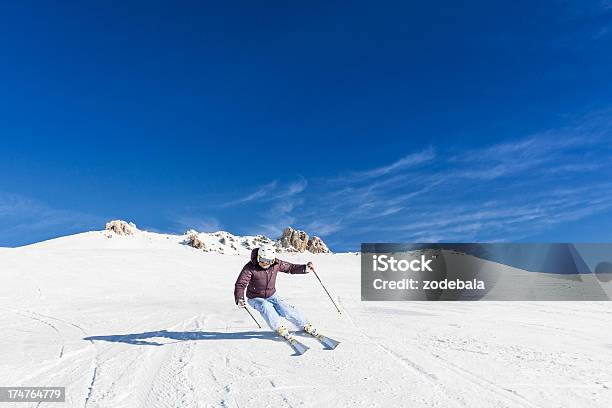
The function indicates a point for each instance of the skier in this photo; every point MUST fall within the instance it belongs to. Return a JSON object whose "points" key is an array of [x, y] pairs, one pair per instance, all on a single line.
{"points": [[259, 277]]}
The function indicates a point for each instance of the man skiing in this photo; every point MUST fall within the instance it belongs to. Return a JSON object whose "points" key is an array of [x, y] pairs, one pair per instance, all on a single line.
{"points": [[258, 276]]}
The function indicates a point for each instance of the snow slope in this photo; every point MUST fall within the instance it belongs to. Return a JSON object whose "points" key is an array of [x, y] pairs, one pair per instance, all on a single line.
{"points": [[144, 321]]}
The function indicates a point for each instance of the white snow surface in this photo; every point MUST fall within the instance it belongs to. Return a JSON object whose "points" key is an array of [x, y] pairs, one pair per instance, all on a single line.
{"points": [[167, 334]]}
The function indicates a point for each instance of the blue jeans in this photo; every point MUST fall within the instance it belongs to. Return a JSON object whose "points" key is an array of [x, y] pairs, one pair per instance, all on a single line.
{"points": [[273, 308]]}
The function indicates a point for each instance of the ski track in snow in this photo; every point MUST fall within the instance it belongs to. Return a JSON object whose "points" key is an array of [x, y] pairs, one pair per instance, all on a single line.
{"points": [[171, 386], [58, 326], [33, 316], [91, 384], [510, 397]]}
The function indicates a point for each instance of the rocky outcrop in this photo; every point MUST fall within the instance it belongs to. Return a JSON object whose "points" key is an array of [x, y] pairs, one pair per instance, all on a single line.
{"points": [[294, 240], [193, 240], [317, 246], [120, 227]]}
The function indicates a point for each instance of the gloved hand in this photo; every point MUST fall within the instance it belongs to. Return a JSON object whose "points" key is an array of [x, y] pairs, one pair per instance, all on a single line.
{"points": [[241, 304], [309, 267]]}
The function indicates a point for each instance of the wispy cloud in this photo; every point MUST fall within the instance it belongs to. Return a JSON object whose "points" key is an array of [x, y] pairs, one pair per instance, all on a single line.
{"points": [[274, 205], [259, 193], [271, 192], [408, 161], [295, 187], [13, 204], [323, 228], [198, 223], [279, 216], [25, 220]]}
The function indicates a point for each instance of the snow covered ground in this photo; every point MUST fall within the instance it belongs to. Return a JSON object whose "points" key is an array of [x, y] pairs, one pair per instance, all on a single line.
{"points": [[164, 332]]}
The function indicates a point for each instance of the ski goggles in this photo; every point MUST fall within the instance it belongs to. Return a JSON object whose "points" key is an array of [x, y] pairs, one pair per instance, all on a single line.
{"points": [[265, 260]]}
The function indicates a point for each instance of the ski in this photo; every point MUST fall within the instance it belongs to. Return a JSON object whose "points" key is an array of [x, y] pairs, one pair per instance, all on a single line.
{"points": [[298, 347], [328, 342]]}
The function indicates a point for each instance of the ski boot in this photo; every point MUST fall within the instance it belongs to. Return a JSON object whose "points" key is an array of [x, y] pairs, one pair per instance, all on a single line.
{"points": [[283, 332], [309, 328]]}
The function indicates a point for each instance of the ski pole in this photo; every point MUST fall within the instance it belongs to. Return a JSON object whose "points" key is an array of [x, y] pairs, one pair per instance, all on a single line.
{"points": [[330, 298], [254, 319]]}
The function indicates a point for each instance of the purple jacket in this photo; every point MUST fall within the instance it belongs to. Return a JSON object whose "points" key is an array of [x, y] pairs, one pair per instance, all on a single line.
{"points": [[260, 282]]}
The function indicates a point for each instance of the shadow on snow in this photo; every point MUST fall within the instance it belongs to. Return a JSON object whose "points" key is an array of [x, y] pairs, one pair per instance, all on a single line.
{"points": [[144, 339]]}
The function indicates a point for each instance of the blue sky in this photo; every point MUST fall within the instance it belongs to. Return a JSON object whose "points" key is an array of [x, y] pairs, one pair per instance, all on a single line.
{"points": [[485, 121]]}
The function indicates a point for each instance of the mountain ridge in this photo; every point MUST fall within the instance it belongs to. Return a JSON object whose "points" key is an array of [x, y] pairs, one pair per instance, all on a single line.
{"points": [[119, 234]]}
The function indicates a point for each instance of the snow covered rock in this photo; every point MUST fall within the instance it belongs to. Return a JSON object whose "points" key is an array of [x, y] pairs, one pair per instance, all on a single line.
{"points": [[224, 242], [193, 240], [121, 227], [294, 240], [317, 246]]}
